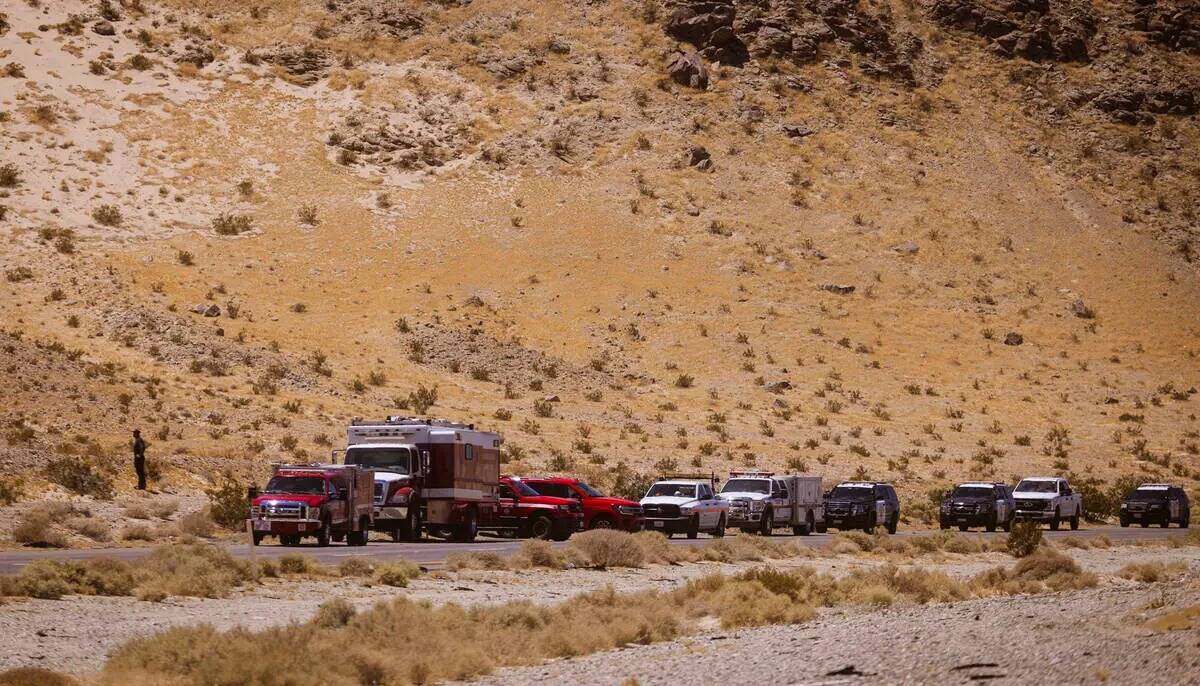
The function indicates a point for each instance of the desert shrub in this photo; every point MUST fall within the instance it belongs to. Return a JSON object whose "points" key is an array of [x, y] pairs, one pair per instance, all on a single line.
{"points": [[1024, 539], [743, 548], [198, 523], [95, 529], [396, 573], [35, 676], [460, 561], [231, 224], [10, 176], [629, 484], [136, 511], [228, 503], [163, 509], [36, 528], [538, 553], [604, 548], [78, 475], [107, 215], [656, 549], [356, 566], [139, 532], [334, 613], [53, 579], [1043, 570], [1151, 572], [297, 563], [11, 490], [199, 570]]}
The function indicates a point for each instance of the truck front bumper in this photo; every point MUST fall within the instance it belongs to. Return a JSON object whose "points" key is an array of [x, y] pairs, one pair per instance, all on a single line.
{"points": [[853, 521], [286, 527], [1035, 515], [960, 519], [669, 525]]}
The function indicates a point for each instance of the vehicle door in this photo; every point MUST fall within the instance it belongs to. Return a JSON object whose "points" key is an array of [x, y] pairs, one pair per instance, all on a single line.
{"points": [[781, 501], [506, 506], [338, 499], [1174, 504], [706, 506], [1066, 506], [1001, 505], [882, 505]]}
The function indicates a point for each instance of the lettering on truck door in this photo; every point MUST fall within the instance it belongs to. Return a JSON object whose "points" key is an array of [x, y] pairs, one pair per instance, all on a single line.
{"points": [[337, 507], [781, 502], [508, 506]]}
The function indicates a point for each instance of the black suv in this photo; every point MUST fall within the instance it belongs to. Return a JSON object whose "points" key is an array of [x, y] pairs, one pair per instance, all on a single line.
{"points": [[989, 505], [862, 505], [1159, 504]]}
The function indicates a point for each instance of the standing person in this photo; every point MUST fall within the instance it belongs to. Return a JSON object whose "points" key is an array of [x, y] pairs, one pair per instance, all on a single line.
{"points": [[139, 459]]}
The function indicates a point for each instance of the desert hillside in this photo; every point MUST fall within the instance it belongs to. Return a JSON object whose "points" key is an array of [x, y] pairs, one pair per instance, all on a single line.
{"points": [[921, 240]]}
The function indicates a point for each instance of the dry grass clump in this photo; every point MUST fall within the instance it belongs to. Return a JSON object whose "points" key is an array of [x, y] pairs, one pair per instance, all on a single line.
{"points": [[396, 573], [35, 676], [197, 569], [36, 528], [357, 566], [609, 548], [460, 561], [297, 563], [139, 532], [1024, 539], [1099, 542], [198, 523], [1044, 570], [749, 548], [334, 613], [95, 529], [1151, 572], [53, 579]]}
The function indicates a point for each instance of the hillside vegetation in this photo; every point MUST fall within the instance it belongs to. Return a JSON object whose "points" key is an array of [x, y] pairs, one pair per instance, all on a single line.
{"points": [[916, 240]]}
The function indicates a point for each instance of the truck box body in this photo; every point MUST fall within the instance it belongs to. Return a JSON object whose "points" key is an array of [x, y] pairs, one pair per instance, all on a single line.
{"points": [[314, 503], [455, 466], [806, 493]]}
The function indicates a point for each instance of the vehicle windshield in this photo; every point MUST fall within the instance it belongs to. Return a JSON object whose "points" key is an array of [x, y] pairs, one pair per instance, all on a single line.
{"points": [[523, 488], [973, 492], [1037, 487], [1149, 494], [746, 486], [307, 485], [391, 459], [852, 493], [674, 490], [591, 492]]}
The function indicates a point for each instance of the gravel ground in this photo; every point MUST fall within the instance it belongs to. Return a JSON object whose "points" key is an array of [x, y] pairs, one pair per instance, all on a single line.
{"points": [[76, 634], [1083, 637]]}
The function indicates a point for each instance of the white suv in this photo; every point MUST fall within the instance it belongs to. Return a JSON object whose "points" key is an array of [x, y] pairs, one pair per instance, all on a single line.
{"points": [[684, 506]]}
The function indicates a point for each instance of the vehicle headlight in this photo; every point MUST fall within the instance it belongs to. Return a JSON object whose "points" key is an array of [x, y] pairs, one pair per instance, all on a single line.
{"points": [[564, 508], [859, 509], [757, 504], [1156, 506], [1124, 506], [400, 499], [629, 509]]}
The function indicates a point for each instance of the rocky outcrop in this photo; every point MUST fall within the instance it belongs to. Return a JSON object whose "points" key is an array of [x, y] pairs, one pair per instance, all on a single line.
{"points": [[1171, 23], [733, 31], [1036, 30], [1136, 103], [686, 68], [304, 65]]}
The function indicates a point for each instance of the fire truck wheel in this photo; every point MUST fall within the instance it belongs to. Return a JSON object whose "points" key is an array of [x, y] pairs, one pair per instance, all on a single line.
{"points": [[323, 534], [767, 524], [337, 538], [540, 526], [694, 527], [466, 531], [289, 540], [257, 538]]}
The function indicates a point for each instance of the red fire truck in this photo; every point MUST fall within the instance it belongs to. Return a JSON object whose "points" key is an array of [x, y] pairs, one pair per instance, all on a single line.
{"points": [[324, 501], [430, 475]]}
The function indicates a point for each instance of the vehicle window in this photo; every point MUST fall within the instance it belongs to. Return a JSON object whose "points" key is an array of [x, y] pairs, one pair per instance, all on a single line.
{"points": [[851, 493], [783, 491], [307, 485], [892, 493], [1149, 493], [746, 486], [880, 493], [506, 492], [556, 490], [705, 492], [469, 452], [676, 490], [588, 490], [523, 488], [971, 492], [1036, 486], [390, 459]]}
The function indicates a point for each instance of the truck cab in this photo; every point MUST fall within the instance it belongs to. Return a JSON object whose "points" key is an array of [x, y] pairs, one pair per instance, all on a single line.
{"points": [[395, 466], [1048, 499], [599, 511], [529, 514], [325, 502], [762, 502], [685, 505]]}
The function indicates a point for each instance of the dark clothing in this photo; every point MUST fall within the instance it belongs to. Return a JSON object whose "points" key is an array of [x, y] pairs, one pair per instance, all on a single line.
{"points": [[139, 462]]}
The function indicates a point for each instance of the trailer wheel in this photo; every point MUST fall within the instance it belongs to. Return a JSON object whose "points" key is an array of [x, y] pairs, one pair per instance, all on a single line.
{"points": [[822, 527], [465, 532]]}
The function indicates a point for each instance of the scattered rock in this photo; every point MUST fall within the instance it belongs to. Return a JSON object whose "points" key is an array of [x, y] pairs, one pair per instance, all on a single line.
{"points": [[687, 69], [1033, 29], [1013, 338], [778, 386], [551, 399], [906, 248], [210, 310], [1080, 309], [797, 130], [837, 288], [698, 154], [104, 28], [304, 65]]}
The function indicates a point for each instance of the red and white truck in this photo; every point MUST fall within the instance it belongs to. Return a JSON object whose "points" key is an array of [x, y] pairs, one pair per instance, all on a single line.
{"points": [[323, 501], [430, 475]]}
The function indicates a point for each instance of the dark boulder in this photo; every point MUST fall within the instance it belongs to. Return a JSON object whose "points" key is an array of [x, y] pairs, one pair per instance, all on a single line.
{"points": [[687, 68]]}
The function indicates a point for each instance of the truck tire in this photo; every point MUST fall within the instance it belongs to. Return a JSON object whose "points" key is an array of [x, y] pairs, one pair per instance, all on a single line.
{"points": [[1124, 523], [963, 527], [822, 527], [410, 529], [945, 526], [540, 526], [602, 522], [1187, 516], [359, 537], [894, 523], [871, 523], [289, 540], [466, 531], [323, 534], [991, 523], [1075, 522], [561, 531], [1054, 521], [694, 527], [337, 538], [1008, 524], [767, 525], [806, 528], [1166, 521], [719, 532], [257, 537]]}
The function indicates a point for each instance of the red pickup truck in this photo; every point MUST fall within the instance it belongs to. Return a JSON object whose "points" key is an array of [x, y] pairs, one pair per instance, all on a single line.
{"points": [[529, 514], [324, 501], [599, 511]]}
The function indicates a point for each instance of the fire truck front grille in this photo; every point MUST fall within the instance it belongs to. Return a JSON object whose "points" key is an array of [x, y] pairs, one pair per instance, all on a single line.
{"points": [[283, 510]]}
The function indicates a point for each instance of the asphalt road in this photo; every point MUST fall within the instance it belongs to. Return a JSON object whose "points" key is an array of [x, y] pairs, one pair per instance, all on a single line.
{"points": [[433, 552]]}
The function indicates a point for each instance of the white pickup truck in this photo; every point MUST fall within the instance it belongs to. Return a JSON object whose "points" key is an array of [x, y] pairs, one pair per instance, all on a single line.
{"points": [[685, 505], [761, 501], [1048, 499]]}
